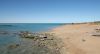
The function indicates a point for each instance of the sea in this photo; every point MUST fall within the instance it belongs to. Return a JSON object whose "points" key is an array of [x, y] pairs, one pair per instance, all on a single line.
{"points": [[6, 39]]}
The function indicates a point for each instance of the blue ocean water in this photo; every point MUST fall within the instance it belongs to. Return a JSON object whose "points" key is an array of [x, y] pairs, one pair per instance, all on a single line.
{"points": [[17, 27], [34, 27]]}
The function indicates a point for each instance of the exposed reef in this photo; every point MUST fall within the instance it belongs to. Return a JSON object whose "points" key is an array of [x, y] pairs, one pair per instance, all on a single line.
{"points": [[34, 43]]}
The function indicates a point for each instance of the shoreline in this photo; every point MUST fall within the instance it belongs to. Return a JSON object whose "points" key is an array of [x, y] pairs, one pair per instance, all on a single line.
{"points": [[66, 39]]}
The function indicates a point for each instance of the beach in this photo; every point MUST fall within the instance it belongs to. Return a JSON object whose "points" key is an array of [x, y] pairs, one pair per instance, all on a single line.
{"points": [[82, 38], [78, 38], [49, 26]]}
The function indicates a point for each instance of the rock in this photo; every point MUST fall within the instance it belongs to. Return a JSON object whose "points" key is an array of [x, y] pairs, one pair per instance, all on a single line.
{"points": [[4, 32], [96, 35], [97, 29], [45, 37], [83, 40], [13, 46]]}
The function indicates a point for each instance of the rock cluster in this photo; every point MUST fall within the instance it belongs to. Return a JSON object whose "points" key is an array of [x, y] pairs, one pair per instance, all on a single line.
{"points": [[96, 33], [40, 43], [26, 34], [13, 46]]}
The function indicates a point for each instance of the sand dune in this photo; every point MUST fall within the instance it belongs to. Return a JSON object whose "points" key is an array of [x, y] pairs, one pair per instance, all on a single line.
{"points": [[78, 39]]}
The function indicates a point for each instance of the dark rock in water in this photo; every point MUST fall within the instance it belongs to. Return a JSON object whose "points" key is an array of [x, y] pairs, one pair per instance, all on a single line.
{"points": [[25, 34], [13, 46], [4, 32]]}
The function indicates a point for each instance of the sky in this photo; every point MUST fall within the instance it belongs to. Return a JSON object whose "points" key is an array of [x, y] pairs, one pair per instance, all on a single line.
{"points": [[49, 11]]}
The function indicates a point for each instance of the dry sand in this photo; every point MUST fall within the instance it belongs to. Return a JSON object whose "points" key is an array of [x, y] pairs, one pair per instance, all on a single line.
{"points": [[78, 39]]}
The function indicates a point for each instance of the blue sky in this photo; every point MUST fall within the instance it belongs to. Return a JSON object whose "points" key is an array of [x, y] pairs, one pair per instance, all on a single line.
{"points": [[49, 11]]}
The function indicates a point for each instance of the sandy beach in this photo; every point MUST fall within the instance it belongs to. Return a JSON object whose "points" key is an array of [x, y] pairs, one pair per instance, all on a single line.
{"points": [[78, 39]]}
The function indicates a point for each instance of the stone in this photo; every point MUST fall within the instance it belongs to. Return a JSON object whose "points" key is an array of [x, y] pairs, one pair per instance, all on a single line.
{"points": [[13, 46]]}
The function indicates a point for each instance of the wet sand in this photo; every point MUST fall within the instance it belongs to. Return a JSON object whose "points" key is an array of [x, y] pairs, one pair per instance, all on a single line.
{"points": [[78, 39]]}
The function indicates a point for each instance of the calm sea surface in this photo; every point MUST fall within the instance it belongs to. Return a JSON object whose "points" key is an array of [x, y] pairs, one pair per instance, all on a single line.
{"points": [[17, 27]]}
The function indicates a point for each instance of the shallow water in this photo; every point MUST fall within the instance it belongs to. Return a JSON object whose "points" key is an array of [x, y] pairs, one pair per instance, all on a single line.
{"points": [[17, 27], [11, 38]]}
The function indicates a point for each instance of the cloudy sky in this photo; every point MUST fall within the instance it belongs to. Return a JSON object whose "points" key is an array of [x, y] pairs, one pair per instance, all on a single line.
{"points": [[49, 11]]}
